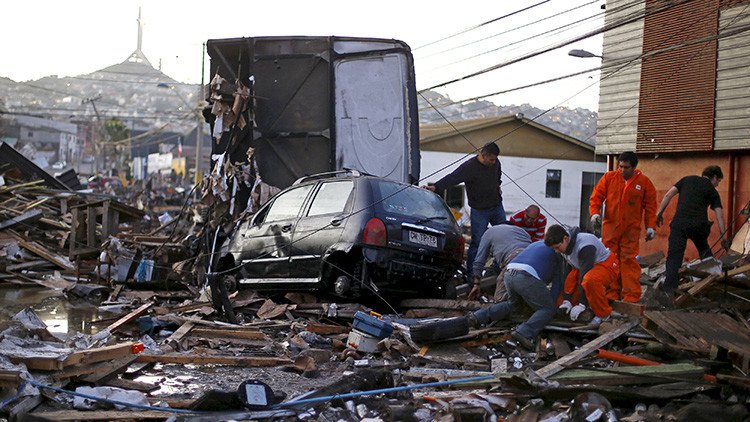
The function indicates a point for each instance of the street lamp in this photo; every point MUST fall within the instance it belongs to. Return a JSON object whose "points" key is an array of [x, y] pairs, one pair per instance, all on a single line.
{"points": [[197, 109], [582, 54]]}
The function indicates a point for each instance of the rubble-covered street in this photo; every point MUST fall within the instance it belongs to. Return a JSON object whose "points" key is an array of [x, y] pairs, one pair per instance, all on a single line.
{"points": [[151, 345], [526, 211]]}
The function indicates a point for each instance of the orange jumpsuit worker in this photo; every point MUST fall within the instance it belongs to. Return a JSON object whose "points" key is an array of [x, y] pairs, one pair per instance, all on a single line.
{"points": [[593, 275], [628, 196]]}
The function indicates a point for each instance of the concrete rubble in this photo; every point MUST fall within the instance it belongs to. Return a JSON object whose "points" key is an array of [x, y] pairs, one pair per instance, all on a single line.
{"points": [[159, 350]]}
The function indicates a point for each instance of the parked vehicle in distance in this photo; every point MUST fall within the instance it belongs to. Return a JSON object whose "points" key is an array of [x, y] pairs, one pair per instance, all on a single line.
{"points": [[345, 232]]}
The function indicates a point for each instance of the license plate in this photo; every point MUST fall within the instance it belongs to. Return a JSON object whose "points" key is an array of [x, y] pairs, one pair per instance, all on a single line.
{"points": [[423, 239]]}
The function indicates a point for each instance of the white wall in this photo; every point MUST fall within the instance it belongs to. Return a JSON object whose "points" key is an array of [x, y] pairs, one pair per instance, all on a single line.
{"points": [[529, 175]]}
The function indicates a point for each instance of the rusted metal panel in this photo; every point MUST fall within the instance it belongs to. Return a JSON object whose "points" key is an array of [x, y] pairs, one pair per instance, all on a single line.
{"points": [[676, 109], [732, 125], [619, 91]]}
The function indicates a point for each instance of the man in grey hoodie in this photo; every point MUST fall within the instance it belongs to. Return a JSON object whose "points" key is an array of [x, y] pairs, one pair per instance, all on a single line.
{"points": [[504, 241]]}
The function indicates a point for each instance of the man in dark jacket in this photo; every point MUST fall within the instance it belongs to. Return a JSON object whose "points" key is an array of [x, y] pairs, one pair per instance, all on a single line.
{"points": [[482, 176], [696, 195]]}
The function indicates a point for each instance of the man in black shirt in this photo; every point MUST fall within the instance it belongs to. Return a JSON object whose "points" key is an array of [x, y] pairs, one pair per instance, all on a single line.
{"points": [[691, 219], [482, 176]]}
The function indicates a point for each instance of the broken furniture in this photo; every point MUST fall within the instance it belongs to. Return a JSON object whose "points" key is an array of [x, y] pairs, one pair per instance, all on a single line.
{"points": [[84, 240]]}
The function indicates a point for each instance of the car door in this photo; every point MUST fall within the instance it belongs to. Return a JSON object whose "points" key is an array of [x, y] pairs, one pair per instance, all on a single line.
{"points": [[320, 227], [265, 240]]}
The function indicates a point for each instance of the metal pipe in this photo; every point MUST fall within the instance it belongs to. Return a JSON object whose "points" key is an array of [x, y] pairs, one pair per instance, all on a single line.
{"points": [[731, 221], [382, 391]]}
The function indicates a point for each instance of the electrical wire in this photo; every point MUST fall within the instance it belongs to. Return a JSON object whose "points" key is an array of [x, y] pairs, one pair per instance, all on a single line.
{"points": [[536, 117], [508, 30], [552, 31], [463, 31], [605, 28], [476, 149]]}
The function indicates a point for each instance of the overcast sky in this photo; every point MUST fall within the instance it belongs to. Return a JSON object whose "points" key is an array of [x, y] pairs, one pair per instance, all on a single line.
{"points": [[74, 37]]}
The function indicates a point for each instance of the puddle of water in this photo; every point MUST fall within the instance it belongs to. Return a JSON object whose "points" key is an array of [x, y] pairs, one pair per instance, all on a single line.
{"points": [[60, 314]]}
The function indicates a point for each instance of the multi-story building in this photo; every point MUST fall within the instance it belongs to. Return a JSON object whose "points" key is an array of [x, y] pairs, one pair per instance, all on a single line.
{"points": [[675, 88]]}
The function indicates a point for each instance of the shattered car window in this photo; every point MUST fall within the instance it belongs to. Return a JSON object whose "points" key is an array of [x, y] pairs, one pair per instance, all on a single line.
{"points": [[331, 198], [288, 204], [412, 201]]}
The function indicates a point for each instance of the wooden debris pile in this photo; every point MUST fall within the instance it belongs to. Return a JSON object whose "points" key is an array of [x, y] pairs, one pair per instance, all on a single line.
{"points": [[56, 238], [659, 360]]}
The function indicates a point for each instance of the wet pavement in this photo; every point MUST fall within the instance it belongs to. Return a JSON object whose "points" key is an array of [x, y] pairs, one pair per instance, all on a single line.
{"points": [[59, 313]]}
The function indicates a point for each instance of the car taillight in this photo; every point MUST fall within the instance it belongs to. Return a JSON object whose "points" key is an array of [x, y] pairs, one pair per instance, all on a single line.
{"points": [[375, 233]]}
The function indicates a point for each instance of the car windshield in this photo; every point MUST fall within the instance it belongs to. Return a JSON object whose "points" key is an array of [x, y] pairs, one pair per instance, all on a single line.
{"points": [[410, 200]]}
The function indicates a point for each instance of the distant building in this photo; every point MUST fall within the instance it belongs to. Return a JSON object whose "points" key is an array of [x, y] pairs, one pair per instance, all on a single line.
{"points": [[675, 88], [52, 141], [540, 165]]}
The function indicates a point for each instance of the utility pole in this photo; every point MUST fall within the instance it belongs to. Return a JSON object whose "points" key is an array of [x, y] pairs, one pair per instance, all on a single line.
{"points": [[199, 113], [101, 147]]}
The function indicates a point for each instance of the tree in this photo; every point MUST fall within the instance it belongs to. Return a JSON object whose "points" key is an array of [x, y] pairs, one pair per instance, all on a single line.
{"points": [[112, 132]]}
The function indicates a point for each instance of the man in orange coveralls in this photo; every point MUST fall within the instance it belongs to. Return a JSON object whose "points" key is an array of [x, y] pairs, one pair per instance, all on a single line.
{"points": [[628, 196]]}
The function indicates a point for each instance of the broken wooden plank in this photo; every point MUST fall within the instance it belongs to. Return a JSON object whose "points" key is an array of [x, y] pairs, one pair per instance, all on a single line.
{"points": [[630, 374], [130, 317], [10, 379], [255, 361], [26, 218], [216, 333], [86, 370], [326, 329], [56, 224], [99, 354], [27, 265], [38, 249], [586, 349], [99, 415], [115, 293], [628, 308], [701, 286], [671, 330], [738, 270], [174, 340]]}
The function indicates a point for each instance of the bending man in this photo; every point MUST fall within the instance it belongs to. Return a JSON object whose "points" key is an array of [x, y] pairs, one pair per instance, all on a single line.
{"points": [[594, 270], [526, 278], [505, 242], [697, 193]]}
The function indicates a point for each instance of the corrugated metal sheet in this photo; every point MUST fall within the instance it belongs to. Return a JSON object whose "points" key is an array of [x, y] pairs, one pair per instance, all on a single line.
{"points": [[619, 93], [676, 109], [732, 126]]}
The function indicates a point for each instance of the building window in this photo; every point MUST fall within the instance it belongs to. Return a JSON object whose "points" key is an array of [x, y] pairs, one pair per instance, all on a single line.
{"points": [[454, 196], [554, 178], [31, 134]]}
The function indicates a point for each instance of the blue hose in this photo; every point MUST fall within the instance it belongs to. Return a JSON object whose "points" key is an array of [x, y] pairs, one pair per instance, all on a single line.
{"points": [[381, 391], [121, 403]]}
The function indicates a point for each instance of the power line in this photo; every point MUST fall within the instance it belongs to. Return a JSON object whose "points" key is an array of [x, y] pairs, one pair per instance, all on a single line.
{"points": [[505, 46], [559, 45], [463, 31], [736, 31], [510, 30]]}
